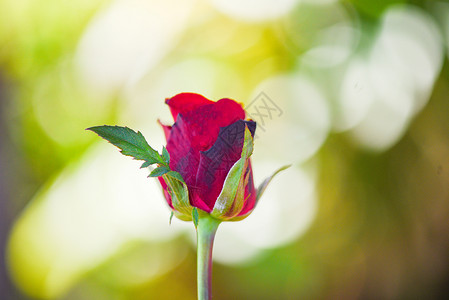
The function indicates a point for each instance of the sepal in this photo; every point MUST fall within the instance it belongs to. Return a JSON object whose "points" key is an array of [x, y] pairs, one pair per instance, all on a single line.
{"points": [[262, 187], [231, 198], [195, 216], [179, 194], [260, 191]]}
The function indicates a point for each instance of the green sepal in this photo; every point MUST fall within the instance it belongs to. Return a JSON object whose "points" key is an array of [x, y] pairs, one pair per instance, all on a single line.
{"points": [[262, 187], [159, 171], [231, 199], [179, 195], [181, 216], [195, 216], [171, 217]]}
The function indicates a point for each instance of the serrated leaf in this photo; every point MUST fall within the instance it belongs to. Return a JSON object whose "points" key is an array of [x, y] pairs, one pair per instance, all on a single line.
{"points": [[195, 216], [130, 143], [231, 199], [159, 171], [146, 164], [166, 156]]}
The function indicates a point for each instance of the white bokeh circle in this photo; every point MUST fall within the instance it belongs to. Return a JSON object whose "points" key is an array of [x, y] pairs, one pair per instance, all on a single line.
{"points": [[297, 129], [254, 10]]}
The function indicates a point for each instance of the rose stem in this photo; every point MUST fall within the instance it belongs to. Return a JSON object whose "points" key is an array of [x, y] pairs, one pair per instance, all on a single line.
{"points": [[205, 233]]}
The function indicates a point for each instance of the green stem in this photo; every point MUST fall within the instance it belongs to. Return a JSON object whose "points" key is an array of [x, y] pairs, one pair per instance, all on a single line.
{"points": [[205, 233]]}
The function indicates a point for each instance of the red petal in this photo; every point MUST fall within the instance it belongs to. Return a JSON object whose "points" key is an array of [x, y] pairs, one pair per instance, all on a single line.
{"points": [[204, 123], [183, 157], [165, 191], [166, 129], [216, 162], [185, 102]]}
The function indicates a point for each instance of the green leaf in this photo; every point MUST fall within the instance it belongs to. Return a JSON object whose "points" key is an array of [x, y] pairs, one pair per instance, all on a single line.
{"points": [[195, 216], [130, 143], [231, 199], [166, 156], [146, 164], [159, 171]]}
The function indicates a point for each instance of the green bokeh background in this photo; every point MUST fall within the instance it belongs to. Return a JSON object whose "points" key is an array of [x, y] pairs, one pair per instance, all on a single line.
{"points": [[381, 229]]}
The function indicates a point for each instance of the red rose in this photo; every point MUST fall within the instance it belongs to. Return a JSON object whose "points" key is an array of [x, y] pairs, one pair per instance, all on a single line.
{"points": [[205, 170], [206, 141]]}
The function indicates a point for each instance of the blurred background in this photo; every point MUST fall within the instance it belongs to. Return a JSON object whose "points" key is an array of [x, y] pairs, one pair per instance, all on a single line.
{"points": [[353, 93]]}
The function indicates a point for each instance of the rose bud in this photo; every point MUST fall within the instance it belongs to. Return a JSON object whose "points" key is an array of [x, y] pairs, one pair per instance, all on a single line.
{"points": [[205, 170], [209, 145]]}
